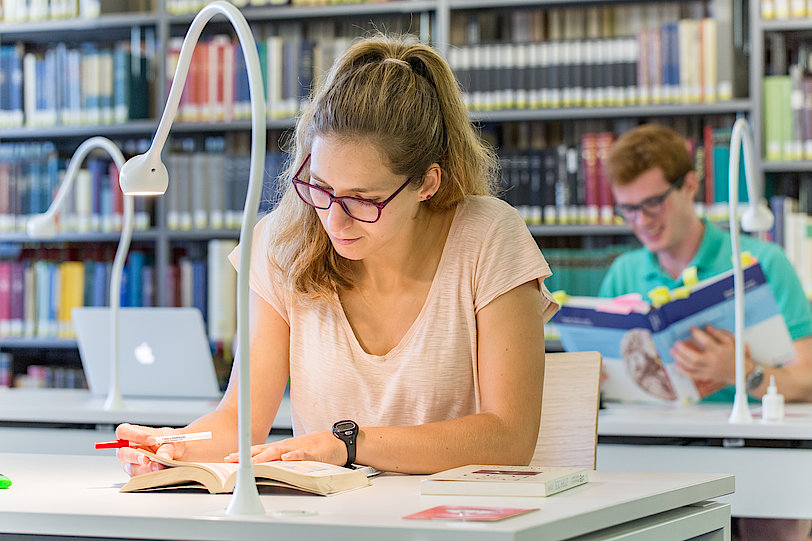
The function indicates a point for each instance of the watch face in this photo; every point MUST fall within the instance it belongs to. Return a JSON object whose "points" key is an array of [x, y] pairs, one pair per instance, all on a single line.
{"points": [[344, 426]]}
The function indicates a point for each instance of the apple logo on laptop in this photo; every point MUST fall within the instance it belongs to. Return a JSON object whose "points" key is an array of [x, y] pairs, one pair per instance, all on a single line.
{"points": [[143, 353]]}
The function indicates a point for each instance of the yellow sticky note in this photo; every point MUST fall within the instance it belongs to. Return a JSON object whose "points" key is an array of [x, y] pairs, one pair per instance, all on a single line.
{"points": [[659, 296], [748, 259], [689, 276], [560, 296], [681, 292]]}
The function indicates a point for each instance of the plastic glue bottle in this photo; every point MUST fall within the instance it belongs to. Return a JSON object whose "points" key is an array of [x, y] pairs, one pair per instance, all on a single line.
{"points": [[772, 404]]}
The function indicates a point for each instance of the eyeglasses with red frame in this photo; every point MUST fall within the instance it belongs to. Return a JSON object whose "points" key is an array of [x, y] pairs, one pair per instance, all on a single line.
{"points": [[356, 208]]}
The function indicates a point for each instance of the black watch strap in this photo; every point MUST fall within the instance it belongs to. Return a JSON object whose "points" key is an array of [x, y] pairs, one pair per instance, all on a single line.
{"points": [[347, 431]]}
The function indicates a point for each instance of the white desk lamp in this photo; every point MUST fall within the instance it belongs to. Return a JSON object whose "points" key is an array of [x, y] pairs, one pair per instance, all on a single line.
{"points": [[146, 174], [757, 217], [44, 226]]}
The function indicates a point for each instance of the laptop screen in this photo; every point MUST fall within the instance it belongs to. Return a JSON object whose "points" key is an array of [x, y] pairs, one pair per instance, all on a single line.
{"points": [[163, 352]]}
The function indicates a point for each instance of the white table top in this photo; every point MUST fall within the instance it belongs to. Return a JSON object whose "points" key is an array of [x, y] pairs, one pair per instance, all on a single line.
{"points": [[78, 495], [701, 421], [77, 406]]}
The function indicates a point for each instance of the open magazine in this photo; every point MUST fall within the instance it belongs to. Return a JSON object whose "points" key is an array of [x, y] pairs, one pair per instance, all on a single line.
{"points": [[635, 337]]}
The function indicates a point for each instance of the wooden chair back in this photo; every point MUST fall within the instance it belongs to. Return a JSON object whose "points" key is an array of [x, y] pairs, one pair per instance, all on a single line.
{"points": [[568, 431]]}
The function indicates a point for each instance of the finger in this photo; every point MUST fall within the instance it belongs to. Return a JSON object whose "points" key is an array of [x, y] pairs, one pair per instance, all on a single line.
{"points": [[296, 454], [130, 456], [134, 433], [686, 354], [720, 335], [268, 454], [136, 469], [702, 338], [689, 369], [168, 451]]}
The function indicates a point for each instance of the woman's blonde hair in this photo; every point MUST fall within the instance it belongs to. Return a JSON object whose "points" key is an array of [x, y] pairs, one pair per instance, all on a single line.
{"points": [[401, 96]]}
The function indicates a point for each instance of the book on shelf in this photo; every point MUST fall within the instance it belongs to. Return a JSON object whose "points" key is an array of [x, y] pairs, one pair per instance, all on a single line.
{"points": [[792, 229], [595, 56], [222, 291], [220, 477], [635, 336], [497, 480]]}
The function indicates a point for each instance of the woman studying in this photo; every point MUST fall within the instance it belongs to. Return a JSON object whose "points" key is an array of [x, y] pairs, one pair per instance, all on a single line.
{"points": [[403, 300]]}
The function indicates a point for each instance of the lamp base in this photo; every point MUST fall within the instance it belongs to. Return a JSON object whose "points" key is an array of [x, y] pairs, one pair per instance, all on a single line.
{"points": [[114, 400], [245, 500], [740, 414]]}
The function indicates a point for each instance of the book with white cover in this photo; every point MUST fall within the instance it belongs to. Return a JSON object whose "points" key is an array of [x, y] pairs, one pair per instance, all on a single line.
{"points": [[490, 480]]}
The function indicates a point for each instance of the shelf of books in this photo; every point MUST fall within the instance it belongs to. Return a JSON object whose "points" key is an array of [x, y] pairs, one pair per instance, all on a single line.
{"points": [[16, 29], [781, 90], [799, 166], [182, 12], [606, 112], [549, 83]]}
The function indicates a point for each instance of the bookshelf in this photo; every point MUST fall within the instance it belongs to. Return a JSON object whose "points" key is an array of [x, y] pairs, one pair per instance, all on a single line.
{"points": [[430, 20], [781, 93]]}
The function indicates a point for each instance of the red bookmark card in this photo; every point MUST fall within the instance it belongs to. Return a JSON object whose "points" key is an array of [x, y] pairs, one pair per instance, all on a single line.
{"points": [[468, 513]]}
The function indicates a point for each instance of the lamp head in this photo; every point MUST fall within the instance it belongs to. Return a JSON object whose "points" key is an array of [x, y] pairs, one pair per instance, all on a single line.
{"points": [[757, 217], [41, 226], [144, 175]]}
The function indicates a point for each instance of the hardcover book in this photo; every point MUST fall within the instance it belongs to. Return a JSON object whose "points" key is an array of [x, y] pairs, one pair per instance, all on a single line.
{"points": [[219, 477], [635, 337], [482, 480]]}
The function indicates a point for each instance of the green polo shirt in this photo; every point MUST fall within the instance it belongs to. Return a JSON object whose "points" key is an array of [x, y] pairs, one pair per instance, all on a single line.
{"points": [[638, 271]]}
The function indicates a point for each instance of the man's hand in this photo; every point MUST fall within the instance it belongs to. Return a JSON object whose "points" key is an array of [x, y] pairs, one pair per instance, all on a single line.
{"points": [[709, 356]]}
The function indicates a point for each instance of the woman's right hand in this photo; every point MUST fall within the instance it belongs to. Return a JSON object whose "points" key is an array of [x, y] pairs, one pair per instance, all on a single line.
{"points": [[135, 463]]}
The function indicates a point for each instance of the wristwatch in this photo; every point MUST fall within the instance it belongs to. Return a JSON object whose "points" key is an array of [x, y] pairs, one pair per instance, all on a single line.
{"points": [[755, 377], [347, 431]]}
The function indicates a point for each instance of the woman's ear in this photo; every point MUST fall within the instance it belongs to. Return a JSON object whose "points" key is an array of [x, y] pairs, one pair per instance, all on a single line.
{"points": [[431, 182]]}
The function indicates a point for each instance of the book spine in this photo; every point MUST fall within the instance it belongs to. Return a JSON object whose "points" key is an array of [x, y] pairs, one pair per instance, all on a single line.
{"points": [[563, 483], [200, 183], [5, 298], [222, 284]]}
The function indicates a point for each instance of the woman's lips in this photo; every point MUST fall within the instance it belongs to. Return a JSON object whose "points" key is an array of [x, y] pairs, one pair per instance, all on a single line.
{"points": [[344, 242]]}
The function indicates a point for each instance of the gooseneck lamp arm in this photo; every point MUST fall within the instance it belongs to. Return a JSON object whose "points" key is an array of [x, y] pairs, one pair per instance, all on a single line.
{"points": [[44, 225], [147, 174], [757, 217]]}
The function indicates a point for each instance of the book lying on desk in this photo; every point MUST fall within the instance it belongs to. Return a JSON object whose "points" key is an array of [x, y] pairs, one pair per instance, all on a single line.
{"points": [[217, 477], [635, 337], [481, 480]]}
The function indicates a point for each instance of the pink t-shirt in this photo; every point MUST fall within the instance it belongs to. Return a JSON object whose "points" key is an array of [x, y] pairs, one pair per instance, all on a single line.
{"points": [[431, 375]]}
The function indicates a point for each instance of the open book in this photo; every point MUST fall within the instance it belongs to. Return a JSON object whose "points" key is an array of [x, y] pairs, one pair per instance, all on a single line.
{"points": [[217, 477], [635, 338], [480, 480]]}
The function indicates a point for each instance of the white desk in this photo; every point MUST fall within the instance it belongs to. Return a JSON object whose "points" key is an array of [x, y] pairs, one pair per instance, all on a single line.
{"points": [[30, 419], [772, 462], [64, 495]]}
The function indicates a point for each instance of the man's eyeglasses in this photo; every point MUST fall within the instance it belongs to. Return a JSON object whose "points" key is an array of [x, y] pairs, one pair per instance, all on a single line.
{"points": [[359, 209], [651, 207]]}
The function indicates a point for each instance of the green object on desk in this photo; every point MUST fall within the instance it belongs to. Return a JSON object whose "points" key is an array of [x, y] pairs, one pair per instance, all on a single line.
{"points": [[5, 482]]}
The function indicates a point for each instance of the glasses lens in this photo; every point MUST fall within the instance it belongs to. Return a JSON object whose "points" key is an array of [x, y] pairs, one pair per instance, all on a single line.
{"points": [[361, 210], [652, 208], [312, 195], [625, 212]]}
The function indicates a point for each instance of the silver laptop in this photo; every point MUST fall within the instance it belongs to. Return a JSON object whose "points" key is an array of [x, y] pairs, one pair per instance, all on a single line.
{"points": [[163, 352]]}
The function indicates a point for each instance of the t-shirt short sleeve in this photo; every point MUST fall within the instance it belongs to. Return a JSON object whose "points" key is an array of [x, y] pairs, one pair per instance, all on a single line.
{"points": [[509, 257], [261, 276]]}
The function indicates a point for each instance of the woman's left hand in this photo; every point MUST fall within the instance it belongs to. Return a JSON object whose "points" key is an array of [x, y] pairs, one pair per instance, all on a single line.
{"points": [[321, 446]]}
